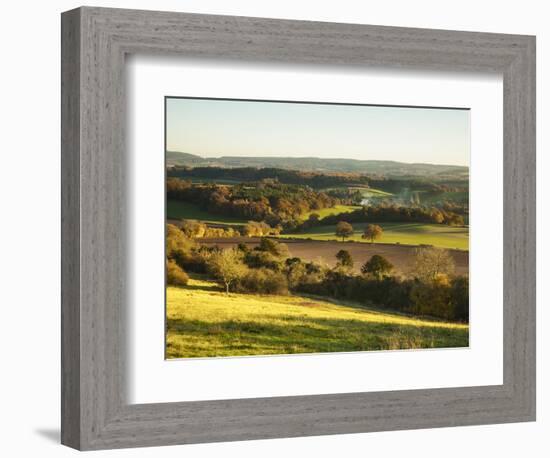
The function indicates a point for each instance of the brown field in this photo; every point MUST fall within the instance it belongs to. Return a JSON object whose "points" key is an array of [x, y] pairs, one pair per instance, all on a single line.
{"points": [[401, 256]]}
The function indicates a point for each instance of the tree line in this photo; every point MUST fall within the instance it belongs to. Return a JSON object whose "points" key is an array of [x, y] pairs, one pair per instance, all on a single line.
{"points": [[286, 176], [315, 179], [387, 213], [268, 201], [193, 228], [431, 288]]}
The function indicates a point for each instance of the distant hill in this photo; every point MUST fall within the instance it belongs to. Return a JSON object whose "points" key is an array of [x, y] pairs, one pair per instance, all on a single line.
{"points": [[177, 158], [370, 167]]}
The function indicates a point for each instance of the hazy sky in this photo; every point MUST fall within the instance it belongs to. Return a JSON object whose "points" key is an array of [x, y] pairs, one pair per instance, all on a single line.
{"points": [[213, 128]]}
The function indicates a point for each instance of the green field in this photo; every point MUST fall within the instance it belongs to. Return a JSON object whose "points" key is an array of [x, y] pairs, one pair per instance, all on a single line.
{"points": [[450, 196], [176, 209], [202, 321], [365, 191], [336, 210], [371, 192], [405, 233]]}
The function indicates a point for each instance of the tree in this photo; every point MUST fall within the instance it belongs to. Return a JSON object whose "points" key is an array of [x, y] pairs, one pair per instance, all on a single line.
{"points": [[295, 271], [344, 259], [344, 229], [372, 232], [263, 281], [227, 266], [313, 220], [193, 228], [432, 264], [377, 266]]}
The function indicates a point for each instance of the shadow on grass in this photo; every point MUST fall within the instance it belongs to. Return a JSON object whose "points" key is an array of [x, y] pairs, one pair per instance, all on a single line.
{"points": [[306, 335], [210, 287]]}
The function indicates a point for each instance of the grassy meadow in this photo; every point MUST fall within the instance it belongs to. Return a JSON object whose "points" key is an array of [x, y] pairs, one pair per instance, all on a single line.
{"points": [[336, 210], [202, 321], [437, 235], [428, 199]]}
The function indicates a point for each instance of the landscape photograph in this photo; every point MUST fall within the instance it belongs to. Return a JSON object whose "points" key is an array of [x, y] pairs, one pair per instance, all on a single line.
{"points": [[301, 227]]}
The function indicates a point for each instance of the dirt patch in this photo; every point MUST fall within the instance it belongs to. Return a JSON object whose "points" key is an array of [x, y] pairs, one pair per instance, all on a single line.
{"points": [[401, 256]]}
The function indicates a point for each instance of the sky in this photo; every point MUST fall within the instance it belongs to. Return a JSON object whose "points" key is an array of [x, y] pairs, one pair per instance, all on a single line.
{"points": [[214, 128]]}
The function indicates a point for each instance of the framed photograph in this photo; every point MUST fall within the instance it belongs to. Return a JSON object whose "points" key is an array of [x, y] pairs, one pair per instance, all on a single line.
{"points": [[291, 242], [279, 228]]}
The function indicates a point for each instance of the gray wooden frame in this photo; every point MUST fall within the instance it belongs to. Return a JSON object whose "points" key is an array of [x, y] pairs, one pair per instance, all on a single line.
{"points": [[95, 41]]}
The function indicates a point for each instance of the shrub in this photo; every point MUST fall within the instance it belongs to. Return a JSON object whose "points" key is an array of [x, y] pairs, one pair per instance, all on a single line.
{"points": [[220, 232], [177, 242], [175, 275], [460, 292], [275, 283], [183, 250], [243, 247], [256, 229], [263, 281], [433, 299], [257, 259], [277, 249]]}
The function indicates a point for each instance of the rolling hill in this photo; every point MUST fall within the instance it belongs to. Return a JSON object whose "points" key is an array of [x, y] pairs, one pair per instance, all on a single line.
{"points": [[371, 167], [202, 321]]}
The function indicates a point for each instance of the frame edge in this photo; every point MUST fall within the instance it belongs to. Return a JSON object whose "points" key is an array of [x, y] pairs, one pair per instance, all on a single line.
{"points": [[70, 228]]}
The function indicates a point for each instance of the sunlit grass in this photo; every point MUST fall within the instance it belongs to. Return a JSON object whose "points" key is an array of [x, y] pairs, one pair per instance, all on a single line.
{"points": [[438, 235], [336, 210], [202, 321]]}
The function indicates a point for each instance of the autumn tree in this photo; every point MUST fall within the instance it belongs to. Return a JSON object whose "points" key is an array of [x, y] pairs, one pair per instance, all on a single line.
{"points": [[193, 228], [344, 259], [227, 266], [256, 229], [377, 266], [177, 243], [344, 229], [433, 264], [372, 232]]}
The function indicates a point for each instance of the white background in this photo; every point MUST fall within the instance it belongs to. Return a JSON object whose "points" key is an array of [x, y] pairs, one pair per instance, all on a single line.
{"points": [[155, 380], [29, 239]]}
